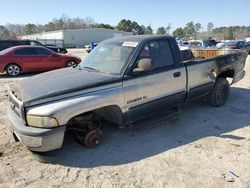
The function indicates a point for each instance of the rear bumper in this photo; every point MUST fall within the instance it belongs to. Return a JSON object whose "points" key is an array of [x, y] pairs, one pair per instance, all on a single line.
{"points": [[35, 139]]}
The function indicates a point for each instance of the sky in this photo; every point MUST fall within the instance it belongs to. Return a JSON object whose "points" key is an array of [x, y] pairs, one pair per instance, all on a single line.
{"points": [[153, 12]]}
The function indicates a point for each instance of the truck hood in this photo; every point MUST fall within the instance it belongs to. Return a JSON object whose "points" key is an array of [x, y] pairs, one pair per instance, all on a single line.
{"points": [[59, 82]]}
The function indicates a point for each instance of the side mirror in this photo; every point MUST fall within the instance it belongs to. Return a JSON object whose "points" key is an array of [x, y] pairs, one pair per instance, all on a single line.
{"points": [[144, 65]]}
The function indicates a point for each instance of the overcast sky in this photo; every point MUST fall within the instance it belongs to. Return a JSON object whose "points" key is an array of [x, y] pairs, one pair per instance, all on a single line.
{"points": [[153, 12]]}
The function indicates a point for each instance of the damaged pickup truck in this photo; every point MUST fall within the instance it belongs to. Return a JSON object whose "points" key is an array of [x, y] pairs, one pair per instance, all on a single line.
{"points": [[121, 81]]}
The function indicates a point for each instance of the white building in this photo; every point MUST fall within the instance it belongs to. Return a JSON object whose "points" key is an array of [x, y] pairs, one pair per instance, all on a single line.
{"points": [[75, 37]]}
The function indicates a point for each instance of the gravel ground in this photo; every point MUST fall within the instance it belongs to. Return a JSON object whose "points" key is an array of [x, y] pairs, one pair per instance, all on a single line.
{"points": [[201, 147]]}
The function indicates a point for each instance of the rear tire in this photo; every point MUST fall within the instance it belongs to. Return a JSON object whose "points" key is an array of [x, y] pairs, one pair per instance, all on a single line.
{"points": [[13, 70], [220, 92]]}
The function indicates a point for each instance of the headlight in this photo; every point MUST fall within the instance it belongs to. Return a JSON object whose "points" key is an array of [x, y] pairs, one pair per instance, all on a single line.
{"points": [[42, 122]]}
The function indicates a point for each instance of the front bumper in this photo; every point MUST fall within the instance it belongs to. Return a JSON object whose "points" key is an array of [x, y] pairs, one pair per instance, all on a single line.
{"points": [[35, 139]]}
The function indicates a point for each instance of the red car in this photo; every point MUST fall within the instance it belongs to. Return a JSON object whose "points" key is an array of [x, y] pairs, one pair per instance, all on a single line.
{"points": [[18, 59]]}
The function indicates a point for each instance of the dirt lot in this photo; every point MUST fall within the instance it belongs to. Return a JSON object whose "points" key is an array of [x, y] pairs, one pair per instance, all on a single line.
{"points": [[201, 147]]}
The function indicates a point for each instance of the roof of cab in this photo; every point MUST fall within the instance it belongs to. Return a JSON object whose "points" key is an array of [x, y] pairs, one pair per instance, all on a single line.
{"points": [[136, 38]]}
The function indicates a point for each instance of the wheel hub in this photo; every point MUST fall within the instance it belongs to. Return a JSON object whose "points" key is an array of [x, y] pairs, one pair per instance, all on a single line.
{"points": [[13, 70], [93, 138]]}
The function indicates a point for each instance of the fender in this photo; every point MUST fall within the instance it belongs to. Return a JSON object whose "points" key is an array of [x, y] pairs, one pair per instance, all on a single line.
{"points": [[65, 109]]}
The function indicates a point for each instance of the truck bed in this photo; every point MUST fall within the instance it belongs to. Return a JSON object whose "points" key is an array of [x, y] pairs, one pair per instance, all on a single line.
{"points": [[199, 66], [191, 54]]}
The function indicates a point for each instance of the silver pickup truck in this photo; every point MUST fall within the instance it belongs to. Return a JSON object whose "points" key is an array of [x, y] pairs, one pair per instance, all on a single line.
{"points": [[121, 81]]}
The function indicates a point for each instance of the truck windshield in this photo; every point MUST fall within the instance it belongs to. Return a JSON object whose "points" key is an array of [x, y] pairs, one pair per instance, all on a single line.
{"points": [[108, 58]]}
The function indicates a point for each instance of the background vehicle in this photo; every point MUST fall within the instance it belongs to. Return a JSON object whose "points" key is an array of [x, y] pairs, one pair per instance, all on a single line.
{"points": [[4, 44], [198, 44], [122, 81], [237, 45], [56, 48], [247, 44], [220, 44], [18, 59], [202, 44], [210, 42], [88, 47]]}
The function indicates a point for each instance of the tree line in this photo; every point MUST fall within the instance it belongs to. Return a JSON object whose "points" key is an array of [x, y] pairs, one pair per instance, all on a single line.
{"points": [[10, 31], [190, 30]]}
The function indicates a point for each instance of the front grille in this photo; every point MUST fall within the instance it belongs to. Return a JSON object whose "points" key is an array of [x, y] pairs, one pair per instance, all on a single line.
{"points": [[15, 104]]}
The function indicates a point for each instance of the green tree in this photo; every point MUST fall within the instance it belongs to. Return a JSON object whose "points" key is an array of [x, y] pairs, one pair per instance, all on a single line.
{"points": [[129, 26], [179, 33], [50, 26], [161, 31], [168, 28], [60, 24], [210, 26], [137, 29], [149, 30], [30, 29], [124, 25], [102, 25], [4, 33], [189, 29], [197, 27], [230, 34], [143, 29]]}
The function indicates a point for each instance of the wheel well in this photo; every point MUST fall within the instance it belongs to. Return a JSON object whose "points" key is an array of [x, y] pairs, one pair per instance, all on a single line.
{"points": [[226, 74], [12, 64], [111, 114]]}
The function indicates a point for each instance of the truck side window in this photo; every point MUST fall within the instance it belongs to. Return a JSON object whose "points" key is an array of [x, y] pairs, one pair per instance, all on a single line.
{"points": [[160, 53]]}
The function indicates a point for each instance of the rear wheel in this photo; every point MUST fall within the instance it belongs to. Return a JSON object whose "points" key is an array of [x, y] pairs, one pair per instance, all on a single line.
{"points": [[220, 92], [13, 70], [71, 64]]}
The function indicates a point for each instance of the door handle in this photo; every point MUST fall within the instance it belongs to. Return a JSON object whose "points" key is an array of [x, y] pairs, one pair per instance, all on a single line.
{"points": [[177, 74]]}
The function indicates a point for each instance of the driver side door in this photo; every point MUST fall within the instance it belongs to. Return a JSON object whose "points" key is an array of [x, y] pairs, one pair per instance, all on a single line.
{"points": [[161, 88]]}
